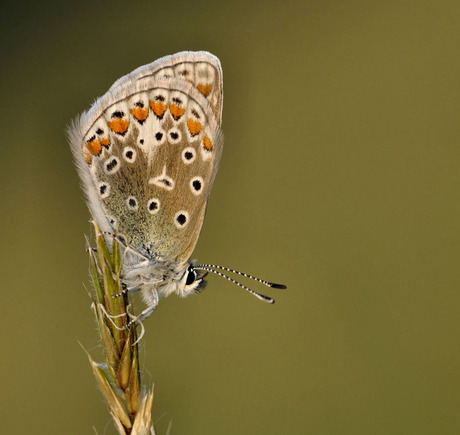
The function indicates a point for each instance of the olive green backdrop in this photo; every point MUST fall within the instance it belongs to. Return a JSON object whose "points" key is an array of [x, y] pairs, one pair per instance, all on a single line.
{"points": [[339, 178]]}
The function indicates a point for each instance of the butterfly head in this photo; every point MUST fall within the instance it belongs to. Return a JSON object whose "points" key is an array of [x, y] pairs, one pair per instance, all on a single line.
{"points": [[192, 282], [165, 279]]}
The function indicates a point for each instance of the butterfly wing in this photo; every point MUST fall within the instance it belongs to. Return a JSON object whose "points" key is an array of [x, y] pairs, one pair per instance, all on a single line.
{"points": [[148, 150], [199, 68]]}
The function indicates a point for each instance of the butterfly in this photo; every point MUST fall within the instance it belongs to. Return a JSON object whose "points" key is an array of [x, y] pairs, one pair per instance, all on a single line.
{"points": [[147, 153]]}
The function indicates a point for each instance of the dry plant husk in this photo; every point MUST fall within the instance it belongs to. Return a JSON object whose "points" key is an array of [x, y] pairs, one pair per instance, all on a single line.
{"points": [[129, 402]]}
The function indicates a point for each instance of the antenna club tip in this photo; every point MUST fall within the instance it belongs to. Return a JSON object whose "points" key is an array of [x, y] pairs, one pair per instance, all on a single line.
{"points": [[264, 298], [279, 286]]}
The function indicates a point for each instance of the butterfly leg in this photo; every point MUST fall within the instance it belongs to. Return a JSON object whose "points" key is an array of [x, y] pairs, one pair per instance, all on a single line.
{"points": [[152, 305], [126, 289]]}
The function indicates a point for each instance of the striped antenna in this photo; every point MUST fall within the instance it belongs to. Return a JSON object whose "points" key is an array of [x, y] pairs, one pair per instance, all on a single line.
{"points": [[262, 281], [208, 268]]}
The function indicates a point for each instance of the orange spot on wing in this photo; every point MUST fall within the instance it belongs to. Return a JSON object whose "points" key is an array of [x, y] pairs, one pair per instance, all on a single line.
{"points": [[94, 147], [158, 108], [194, 126], [105, 142], [204, 89], [207, 143], [88, 157], [119, 125], [139, 113], [176, 111]]}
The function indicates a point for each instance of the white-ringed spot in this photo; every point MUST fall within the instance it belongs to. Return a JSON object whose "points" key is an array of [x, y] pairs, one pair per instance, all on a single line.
{"points": [[188, 155], [181, 219], [159, 137], [129, 154], [153, 206], [196, 185], [111, 165], [104, 189], [132, 203], [174, 136]]}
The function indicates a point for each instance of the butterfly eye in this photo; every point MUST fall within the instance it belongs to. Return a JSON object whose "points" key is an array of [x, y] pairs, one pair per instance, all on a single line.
{"points": [[191, 277], [194, 281]]}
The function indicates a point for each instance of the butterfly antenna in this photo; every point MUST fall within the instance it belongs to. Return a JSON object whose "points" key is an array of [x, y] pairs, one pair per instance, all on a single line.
{"points": [[257, 295], [262, 281]]}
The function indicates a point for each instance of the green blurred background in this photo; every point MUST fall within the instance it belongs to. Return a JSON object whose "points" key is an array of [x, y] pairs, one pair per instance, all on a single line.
{"points": [[339, 178]]}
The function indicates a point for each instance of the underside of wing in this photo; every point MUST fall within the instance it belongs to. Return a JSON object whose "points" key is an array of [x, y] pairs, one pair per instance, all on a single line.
{"points": [[200, 68], [148, 151]]}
